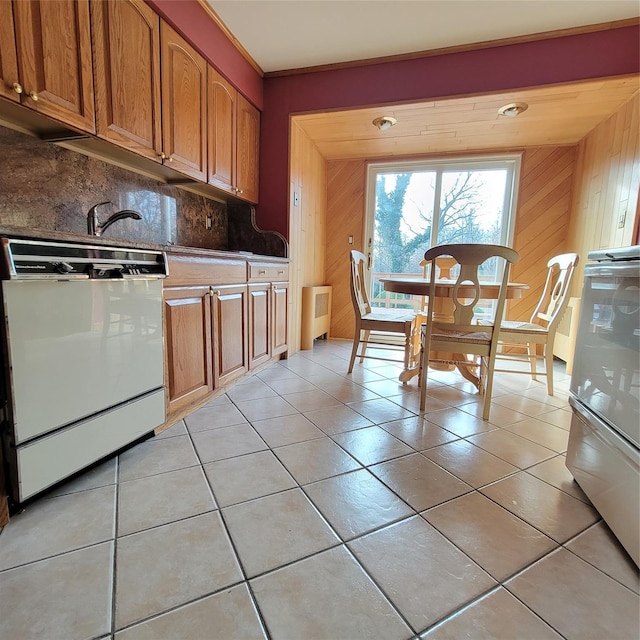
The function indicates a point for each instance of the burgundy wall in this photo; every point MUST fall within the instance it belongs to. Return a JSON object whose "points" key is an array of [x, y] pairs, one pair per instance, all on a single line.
{"points": [[192, 21], [570, 58]]}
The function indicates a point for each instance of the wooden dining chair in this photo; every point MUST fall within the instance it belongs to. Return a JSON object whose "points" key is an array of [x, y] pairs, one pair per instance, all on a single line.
{"points": [[543, 324], [456, 339], [384, 329]]}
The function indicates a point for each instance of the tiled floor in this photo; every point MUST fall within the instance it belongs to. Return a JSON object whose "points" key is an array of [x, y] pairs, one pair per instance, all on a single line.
{"points": [[309, 504]]}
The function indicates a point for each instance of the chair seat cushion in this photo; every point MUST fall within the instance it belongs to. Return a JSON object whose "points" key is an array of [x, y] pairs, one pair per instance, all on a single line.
{"points": [[478, 337], [394, 315], [513, 325]]}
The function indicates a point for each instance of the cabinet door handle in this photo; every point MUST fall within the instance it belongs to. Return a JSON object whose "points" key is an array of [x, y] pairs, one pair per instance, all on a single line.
{"points": [[34, 96], [262, 272], [215, 292], [163, 156], [17, 87]]}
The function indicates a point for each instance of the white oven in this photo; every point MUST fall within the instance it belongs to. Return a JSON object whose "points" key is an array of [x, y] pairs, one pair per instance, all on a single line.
{"points": [[84, 363], [604, 442]]}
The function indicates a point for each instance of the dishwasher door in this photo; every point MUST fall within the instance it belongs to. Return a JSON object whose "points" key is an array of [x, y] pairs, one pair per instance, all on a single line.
{"points": [[79, 347]]}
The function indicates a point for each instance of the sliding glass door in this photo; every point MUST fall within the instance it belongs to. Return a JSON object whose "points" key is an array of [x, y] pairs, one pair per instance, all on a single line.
{"points": [[412, 206]]}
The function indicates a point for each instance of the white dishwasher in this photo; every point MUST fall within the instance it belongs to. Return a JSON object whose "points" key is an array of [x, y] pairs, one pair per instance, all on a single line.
{"points": [[83, 356]]}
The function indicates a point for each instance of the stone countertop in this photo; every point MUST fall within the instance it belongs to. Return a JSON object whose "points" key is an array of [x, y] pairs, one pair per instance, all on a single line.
{"points": [[62, 236]]}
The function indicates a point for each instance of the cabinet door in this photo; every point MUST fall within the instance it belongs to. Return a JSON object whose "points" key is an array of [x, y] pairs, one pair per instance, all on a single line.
{"points": [[280, 302], [8, 59], [127, 95], [184, 101], [54, 59], [188, 345], [247, 150], [221, 131], [259, 324], [229, 306]]}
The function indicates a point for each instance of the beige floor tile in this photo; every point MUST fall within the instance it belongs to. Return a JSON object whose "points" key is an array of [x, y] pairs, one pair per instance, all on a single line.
{"points": [[252, 388], [512, 448], [451, 396], [263, 408], [554, 471], [289, 529], [177, 429], [371, 445], [156, 456], [522, 404], [558, 418], [380, 410], [315, 460], [361, 375], [356, 503], [471, 464], [278, 432], [100, 476], [227, 442], [419, 482], [163, 498], [170, 565], [498, 541], [542, 433], [421, 572], [497, 615], [550, 510], [68, 596], [418, 432], [275, 372], [214, 416], [57, 525], [326, 597], [347, 391], [389, 387], [247, 477], [599, 547], [230, 614], [334, 420], [499, 416], [291, 385], [460, 423], [306, 401], [578, 600]]}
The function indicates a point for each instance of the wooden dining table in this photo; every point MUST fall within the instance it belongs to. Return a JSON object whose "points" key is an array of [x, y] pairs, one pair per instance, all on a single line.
{"points": [[443, 311]]}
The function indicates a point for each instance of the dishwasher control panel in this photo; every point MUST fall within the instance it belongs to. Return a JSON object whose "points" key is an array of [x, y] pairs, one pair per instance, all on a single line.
{"points": [[40, 260]]}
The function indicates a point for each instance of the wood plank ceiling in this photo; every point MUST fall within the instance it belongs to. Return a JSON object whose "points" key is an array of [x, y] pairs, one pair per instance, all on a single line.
{"points": [[556, 115]]}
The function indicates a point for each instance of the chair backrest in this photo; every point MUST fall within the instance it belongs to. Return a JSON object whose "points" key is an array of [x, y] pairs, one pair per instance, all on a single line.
{"points": [[555, 295], [466, 291], [359, 295]]}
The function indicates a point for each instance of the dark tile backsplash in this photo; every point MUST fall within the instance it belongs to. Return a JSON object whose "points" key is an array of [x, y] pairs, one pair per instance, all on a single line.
{"points": [[46, 187]]}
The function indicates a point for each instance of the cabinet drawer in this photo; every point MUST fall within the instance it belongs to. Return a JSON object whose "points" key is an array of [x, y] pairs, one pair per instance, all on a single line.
{"points": [[268, 272], [196, 270]]}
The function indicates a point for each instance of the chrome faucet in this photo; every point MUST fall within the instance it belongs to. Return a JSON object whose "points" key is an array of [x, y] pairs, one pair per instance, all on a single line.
{"points": [[94, 228]]}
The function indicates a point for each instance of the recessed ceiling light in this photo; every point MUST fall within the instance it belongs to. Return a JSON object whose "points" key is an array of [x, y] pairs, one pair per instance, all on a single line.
{"points": [[513, 109], [385, 122]]}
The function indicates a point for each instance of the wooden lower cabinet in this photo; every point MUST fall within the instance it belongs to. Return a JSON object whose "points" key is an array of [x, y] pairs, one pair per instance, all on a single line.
{"points": [[230, 350], [260, 323], [188, 343], [216, 333], [280, 316]]}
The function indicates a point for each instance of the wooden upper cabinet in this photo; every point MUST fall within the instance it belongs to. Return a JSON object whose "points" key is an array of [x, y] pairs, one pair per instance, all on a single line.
{"points": [[8, 58], [184, 102], [126, 52], [53, 43], [247, 150], [221, 124]]}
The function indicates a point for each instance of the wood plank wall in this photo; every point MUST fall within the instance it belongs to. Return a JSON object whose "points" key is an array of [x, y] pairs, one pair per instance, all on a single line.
{"points": [[607, 185], [542, 222], [307, 222]]}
